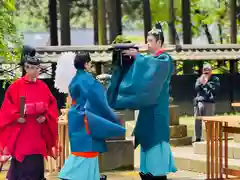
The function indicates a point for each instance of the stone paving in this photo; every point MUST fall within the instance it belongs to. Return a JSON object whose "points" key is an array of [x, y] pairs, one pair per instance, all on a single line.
{"points": [[133, 175]]}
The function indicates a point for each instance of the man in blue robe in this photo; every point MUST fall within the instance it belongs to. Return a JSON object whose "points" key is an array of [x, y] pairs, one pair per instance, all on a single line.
{"points": [[144, 86], [90, 122]]}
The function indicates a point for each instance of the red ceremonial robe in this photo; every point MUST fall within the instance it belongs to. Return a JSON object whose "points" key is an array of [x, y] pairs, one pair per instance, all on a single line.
{"points": [[20, 140]]}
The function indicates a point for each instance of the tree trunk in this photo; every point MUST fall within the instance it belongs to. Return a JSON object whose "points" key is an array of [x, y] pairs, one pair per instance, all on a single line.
{"points": [[52, 7], [220, 63], [147, 18], [207, 33], [187, 33], [210, 41], [186, 22], [171, 25], [65, 22], [102, 22], [114, 15], [233, 13], [95, 21], [233, 63]]}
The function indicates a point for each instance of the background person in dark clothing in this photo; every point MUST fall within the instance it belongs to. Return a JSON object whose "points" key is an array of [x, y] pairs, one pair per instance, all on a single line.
{"points": [[206, 87]]}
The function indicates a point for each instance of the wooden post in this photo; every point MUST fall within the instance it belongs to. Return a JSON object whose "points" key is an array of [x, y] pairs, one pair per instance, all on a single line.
{"points": [[220, 151], [226, 149], [216, 150], [208, 149], [212, 149]]}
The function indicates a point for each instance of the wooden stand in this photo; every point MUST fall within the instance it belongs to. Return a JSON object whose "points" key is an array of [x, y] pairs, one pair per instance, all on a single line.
{"points": [[63, 142], [217, 129], [52, 165]]}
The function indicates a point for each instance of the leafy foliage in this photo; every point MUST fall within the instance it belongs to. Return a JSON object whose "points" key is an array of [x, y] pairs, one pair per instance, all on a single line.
{"points": [[8, 33], [9, 37], [121, 39], [209, 12], [32, 15], [203, 14], [160, 9]]}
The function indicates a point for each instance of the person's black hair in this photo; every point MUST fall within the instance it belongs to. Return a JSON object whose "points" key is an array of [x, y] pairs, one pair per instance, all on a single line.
{"points": [[81, 59], [157, 32]]}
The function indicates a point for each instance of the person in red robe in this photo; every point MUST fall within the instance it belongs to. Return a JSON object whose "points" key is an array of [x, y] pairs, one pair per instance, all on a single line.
{"points": [[28, 139]]}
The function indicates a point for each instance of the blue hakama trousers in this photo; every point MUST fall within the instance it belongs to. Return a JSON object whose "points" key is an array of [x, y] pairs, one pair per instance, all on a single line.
{"points": [[80, 168], [158, 160]]}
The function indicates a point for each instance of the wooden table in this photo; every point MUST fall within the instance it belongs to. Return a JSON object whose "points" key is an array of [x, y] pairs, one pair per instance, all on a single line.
{"points": [[217, 130], [236, 104]]}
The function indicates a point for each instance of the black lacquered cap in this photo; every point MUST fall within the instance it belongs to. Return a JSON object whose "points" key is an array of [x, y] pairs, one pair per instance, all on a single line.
{"points": [[123, 46], [27, 51], [32, 60]]}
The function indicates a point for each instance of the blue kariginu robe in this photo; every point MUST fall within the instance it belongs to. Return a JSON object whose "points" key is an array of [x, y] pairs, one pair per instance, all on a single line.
{"points": [[145, 87], [91, 105]]}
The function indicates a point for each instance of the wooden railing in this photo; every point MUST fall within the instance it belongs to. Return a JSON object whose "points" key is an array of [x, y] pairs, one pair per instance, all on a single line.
{"points": [[102, 54]]}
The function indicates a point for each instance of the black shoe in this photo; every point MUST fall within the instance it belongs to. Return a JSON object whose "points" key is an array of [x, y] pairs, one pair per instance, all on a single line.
{"points": [[141, 175], [159, 178], [103, 177], [145, 176], [198, 140], [149, 176]]}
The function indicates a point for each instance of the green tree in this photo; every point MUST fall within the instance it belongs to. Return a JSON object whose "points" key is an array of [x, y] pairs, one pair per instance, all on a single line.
{"points": [[160, 10], [133, 11], [32, 15], [8, 33], [203, 14]]}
